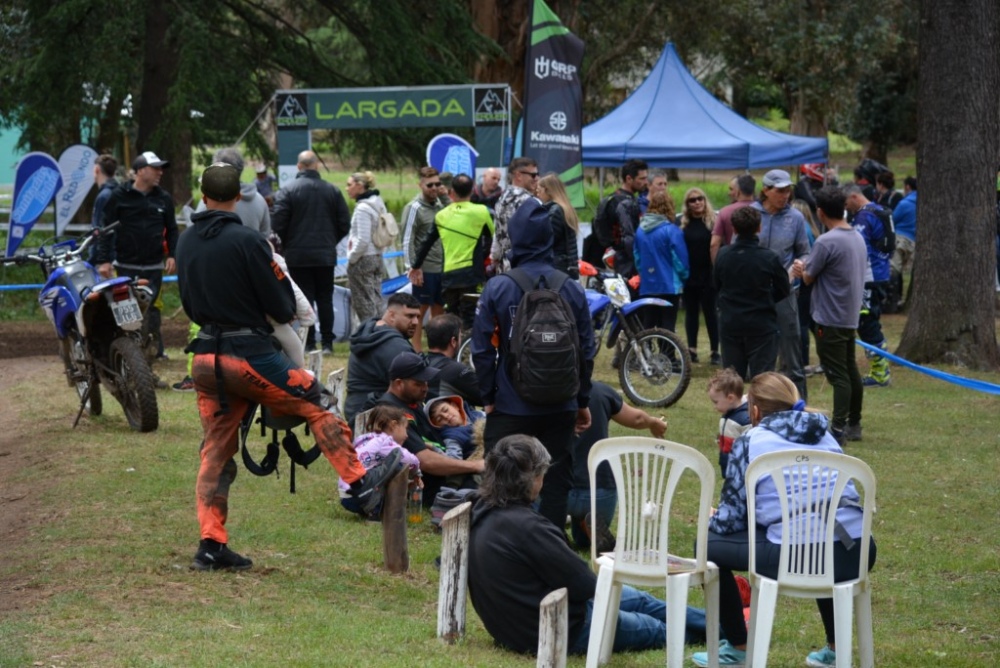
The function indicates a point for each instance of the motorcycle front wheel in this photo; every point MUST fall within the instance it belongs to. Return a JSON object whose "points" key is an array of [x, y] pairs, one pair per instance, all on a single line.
{"points": [[655, 369], [135, 385], [74, 354]]}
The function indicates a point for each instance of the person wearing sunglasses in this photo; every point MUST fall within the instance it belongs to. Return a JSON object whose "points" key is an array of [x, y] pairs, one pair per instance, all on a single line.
{"points": [[697, 221], [523, 175], [418, 223]]}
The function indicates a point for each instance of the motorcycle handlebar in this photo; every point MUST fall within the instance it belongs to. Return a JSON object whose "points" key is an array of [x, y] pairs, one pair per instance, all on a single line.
{"points": [[93, 235]]}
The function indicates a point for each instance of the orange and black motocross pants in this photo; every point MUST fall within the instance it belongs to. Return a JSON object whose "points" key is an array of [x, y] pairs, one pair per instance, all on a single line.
{"points": [[269, 380]]}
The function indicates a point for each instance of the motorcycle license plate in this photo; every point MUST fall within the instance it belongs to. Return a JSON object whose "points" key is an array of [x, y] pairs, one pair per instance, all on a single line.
{"points": [[127, 313]]}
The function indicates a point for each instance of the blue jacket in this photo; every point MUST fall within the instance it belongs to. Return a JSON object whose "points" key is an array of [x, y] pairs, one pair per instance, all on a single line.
{"points": [[870, 226], [661, 256], [779, 431], [904, 217], [531, 249]]}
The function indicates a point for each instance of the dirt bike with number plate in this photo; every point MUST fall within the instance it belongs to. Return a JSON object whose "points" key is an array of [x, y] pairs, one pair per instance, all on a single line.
{"points": [[654, 365], [99, 324]]}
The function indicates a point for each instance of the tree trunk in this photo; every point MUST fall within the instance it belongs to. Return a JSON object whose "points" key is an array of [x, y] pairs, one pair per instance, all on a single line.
{"points": [[951, 319], [507, 24], [807, 122], [876, 150], [160, 130]]}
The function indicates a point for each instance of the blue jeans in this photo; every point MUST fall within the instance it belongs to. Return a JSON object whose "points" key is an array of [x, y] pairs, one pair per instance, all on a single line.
{"points": [[642, 624], [578, 506]]}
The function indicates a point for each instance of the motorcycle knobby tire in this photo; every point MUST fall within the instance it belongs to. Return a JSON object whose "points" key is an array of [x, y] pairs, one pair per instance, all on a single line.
{"points": [[670, 363], [135, 386]]}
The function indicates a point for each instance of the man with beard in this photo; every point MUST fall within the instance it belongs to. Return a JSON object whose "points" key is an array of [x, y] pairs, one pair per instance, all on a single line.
{"points": [[409, 374], [374, 345]]}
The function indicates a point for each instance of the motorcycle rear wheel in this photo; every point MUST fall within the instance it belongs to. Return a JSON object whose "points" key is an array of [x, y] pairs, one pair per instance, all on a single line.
{"points": [[655, 369], [78, 374], [135, 385]]}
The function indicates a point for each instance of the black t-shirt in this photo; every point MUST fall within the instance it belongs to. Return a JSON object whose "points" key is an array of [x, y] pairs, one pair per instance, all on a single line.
{"points": [[698, 239], [453, 378], [605, 402]]}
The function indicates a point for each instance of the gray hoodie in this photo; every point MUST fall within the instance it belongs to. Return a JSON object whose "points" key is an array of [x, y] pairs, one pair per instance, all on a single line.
{"points": [[251, 208]]}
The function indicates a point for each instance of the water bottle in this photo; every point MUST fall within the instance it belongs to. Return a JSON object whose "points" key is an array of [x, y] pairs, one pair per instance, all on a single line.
{"points": [[415, 506]]}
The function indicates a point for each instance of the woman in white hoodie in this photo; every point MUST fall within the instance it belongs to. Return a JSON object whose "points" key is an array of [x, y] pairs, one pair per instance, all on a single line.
{"points": [[365, 270]]}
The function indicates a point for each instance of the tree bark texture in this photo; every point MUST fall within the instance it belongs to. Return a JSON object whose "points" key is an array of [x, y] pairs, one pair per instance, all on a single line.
{"points": [[159, 129], [952, 318]]}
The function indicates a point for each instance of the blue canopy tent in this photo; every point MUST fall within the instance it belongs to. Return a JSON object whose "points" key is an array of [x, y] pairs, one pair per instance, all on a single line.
{"points": [[672, 121]]}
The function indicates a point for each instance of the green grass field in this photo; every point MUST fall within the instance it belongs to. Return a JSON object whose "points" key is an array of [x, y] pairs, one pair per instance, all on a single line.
{"points": [[104, 568]]}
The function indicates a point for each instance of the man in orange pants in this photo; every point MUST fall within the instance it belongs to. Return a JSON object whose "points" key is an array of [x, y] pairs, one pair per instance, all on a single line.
{"points": [[230, 286]]}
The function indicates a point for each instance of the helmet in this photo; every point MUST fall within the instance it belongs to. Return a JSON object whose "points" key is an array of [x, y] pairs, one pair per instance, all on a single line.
{"points": [[609, 257], [813, 170]]}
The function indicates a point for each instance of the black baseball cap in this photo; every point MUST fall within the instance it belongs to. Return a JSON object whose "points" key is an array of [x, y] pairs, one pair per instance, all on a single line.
{"points": [[411, 366], [148, 159]]}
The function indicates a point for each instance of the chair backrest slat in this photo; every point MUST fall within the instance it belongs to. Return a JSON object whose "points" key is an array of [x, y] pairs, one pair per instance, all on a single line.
{"points": [[647, 472], [811, 487]]}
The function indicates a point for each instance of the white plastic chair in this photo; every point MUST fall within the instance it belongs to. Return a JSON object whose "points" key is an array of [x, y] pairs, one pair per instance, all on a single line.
{"points": [[814, 483], [646, 472]]}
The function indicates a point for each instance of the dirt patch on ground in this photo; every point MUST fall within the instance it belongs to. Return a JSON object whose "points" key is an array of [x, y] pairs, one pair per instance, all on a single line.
{"points": [[30, 339]]}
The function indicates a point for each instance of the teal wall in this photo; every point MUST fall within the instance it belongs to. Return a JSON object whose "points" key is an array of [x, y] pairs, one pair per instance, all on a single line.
{"points": [[8, 154]]}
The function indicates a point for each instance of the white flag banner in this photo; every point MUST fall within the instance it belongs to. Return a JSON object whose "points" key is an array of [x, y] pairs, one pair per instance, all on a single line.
{"points": [[76, 165]]}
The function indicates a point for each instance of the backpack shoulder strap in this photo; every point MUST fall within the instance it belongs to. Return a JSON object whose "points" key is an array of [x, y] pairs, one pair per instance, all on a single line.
{"points": [[556, 279], [522, 279]]}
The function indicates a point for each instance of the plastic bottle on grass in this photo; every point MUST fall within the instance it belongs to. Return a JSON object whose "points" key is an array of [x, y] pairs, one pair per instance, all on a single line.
{"points": [[415, 506]]}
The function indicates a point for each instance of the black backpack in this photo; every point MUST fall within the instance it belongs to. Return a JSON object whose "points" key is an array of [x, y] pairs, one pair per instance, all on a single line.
{"points": [[544, 351], [603, 225], [887, 242]]}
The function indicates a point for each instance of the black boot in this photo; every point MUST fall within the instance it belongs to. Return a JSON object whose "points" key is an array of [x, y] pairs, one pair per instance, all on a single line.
{"points": [[370, 489], [213, 556]]}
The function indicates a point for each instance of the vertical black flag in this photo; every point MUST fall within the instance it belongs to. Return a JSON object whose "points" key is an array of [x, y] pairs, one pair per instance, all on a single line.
{"points": [[553, 100]]}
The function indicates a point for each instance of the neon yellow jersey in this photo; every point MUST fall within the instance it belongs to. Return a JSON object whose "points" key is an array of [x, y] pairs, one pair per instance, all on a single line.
{"points": [[459, 224]]}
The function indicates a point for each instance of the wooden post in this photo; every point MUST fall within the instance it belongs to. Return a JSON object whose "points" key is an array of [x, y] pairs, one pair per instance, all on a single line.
{"points": [[553, 626], [454, 572], [335, 386], [395, 553], [314, 362]]}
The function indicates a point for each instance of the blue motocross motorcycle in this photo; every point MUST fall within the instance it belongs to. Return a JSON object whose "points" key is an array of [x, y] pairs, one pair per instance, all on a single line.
{"points": [[654, 365], [99, 324]]}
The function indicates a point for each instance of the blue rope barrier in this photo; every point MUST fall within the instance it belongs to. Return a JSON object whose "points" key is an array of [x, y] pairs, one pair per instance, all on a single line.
{"points": [[969, 383]]}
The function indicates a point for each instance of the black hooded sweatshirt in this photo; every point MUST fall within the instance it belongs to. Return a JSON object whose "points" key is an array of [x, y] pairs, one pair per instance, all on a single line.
{"points": [[373, 347], [228, 279]]}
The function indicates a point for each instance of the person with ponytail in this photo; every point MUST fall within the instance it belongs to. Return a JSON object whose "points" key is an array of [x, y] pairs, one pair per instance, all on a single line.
{"points": [[366, 270], [781, 421]]}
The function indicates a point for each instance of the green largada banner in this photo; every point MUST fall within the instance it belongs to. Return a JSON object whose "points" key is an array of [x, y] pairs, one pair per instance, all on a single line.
{"points": [[553, 100]]}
